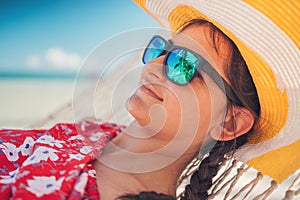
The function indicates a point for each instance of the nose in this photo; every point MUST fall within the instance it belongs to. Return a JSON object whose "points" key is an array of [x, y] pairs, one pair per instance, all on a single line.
{"points": [[153, 70]]}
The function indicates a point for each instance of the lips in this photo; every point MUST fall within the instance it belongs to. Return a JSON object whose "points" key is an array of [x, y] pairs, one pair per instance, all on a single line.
{"points": [[148, 90]]}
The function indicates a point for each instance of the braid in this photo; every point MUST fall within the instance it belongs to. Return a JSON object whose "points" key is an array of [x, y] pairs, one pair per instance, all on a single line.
{"points": [[146, 196], [201, 179]]}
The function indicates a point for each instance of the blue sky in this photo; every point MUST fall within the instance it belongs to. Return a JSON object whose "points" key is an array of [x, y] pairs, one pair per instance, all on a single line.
{"points": [[52, 35]]}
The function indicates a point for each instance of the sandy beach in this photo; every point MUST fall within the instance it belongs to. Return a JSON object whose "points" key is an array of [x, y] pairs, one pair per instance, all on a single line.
{"points": [[25, 101]]}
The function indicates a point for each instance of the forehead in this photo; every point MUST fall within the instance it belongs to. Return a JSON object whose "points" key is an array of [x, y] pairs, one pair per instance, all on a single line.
{"points": [[193, 37]]}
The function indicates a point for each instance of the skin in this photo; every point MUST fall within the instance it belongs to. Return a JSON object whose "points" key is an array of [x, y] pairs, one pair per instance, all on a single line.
{"points": [[161, 112]]}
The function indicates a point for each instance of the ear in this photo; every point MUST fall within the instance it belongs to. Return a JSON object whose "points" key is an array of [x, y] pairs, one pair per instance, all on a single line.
{"points": [[238, 121]]}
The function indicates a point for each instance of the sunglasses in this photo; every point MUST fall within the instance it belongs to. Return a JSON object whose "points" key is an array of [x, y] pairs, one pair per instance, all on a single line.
{"points": [[181, 65]]}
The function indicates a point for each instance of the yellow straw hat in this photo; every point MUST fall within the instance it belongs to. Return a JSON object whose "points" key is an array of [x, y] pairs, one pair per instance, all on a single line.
{"points": [[267, 34]]}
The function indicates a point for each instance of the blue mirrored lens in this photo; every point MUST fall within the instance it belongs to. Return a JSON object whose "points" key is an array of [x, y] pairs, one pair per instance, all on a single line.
{"points": [[154, 49], [181, 66]]}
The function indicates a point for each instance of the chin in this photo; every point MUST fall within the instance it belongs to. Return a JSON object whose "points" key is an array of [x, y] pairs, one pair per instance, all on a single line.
{"points": [[138, 110]]}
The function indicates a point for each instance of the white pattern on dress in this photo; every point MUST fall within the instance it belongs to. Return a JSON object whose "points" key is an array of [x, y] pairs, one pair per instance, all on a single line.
{"points": [[41, 153], [42, 185]]}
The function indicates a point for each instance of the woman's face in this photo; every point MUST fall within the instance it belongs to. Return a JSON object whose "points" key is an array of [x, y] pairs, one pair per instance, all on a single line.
{"points": [[159, 102]]}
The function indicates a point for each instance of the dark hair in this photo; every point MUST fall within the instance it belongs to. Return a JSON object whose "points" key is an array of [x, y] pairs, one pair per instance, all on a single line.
{"points": [[146, 196], [243, 86]]}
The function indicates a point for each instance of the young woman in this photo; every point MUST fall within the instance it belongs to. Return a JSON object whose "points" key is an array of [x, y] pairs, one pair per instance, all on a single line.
{"points": [[204, 91], [242, 112], [247, 30]]}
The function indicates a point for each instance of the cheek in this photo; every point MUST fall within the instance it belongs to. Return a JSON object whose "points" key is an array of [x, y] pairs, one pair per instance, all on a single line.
{"points": [[172, 106], [189, 112], [190, 103], [204, 104], [202, 116], [173, 112], [183, 109]]}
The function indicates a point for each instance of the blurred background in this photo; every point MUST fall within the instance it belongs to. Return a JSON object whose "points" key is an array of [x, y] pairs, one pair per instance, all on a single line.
{"points": [[43, 43]]}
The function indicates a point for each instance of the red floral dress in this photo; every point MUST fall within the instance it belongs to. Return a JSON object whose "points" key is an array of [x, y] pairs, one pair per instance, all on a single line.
{"points": [[52, 164]]}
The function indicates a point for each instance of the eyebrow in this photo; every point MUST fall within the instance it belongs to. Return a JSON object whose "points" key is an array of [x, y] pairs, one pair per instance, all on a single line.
{"points": [[203, 53]]}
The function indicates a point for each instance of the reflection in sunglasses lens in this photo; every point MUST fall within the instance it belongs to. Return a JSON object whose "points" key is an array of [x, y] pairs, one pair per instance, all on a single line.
{"points": [[181, 66], [154, 49]]}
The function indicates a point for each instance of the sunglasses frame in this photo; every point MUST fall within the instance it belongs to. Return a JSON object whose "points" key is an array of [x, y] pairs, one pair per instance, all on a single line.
{"points": [[203, 65]]}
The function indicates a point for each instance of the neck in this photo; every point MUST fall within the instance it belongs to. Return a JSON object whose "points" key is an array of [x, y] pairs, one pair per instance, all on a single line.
{"points": [[131, 165], [113, 183]]}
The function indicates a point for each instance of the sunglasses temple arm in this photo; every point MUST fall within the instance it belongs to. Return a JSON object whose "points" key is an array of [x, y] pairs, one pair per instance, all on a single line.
{"points": [[222, 84]]}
